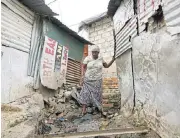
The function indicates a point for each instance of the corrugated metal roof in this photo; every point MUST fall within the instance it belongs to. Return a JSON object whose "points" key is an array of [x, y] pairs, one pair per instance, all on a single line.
{"points": [[113, 6], [39, 6], [68, 30], [92, 20]]}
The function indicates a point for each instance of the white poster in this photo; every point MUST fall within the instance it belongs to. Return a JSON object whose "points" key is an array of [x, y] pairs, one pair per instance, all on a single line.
{"points": [[53, 64], [47, 73]]}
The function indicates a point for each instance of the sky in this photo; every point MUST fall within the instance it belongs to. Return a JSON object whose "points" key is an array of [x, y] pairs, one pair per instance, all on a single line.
{"points": [[72, 12]]}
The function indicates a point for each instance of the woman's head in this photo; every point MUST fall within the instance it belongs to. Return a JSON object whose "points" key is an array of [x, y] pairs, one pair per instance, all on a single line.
{"points": [[95, 52]]}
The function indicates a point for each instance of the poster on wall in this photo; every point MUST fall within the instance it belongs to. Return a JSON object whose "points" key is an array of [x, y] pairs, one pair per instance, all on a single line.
{"points": [[52, 64], [64, 61]]}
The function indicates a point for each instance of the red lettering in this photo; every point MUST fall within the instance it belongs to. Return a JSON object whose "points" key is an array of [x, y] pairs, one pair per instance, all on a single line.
{"points": [[65, 55], [49, 51], [51, 44]]}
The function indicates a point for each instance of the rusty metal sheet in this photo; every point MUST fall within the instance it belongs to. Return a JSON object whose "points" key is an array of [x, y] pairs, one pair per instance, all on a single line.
{"points": [[146, 8], [73, 72]]}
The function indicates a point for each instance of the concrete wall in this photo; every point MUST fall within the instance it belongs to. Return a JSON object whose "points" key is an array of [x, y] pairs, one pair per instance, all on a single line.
{"points": [[14, 80], [157, 81], [124, 70], [101, 34]]}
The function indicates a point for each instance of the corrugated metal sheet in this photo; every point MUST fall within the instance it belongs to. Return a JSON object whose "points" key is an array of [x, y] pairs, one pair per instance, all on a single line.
{"points": [[73, 72], [16, 25], [92, 20], [39, 7], [35, 45], [146, 8], [123, 38], [123, 14], [171, 10]]}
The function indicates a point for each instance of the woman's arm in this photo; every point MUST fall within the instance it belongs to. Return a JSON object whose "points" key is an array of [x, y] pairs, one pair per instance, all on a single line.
{"points": [[109, 64]]}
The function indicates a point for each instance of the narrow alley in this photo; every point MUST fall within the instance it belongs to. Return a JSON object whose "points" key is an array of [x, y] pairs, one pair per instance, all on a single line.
{"points": [[114, 74]]}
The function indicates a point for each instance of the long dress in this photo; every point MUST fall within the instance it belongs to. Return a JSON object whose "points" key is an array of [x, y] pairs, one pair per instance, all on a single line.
{"points": [[91, 93]]}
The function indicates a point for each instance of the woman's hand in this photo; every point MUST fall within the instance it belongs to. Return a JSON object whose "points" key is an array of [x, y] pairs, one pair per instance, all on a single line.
{"points": [[110, 63]]}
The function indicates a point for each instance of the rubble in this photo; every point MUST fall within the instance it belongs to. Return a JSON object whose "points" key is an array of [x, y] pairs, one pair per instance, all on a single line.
{"points": [[19, 118], [59, 114]]}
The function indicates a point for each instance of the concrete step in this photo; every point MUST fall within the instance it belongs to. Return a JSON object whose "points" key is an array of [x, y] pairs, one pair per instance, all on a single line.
{"points": [[98, 133]]}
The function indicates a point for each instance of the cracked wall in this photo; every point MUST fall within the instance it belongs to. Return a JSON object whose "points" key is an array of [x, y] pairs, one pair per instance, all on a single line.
{"points": [[124, 70], [157, 81], [15, 82]]}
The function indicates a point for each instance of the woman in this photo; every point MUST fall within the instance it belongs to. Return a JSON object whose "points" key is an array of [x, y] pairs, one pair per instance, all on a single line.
{"points": [[91, 93]]}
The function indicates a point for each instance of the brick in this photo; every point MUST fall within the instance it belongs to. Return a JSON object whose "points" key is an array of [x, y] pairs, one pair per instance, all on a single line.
{"points": [[105, 101], [93, 25], [93, 34], [101, 41], [97, 28], [110, 95], [106, 34], [100, 32], [98, 37], [91, 38], [91, 30], [108, 29], [107, 25], [99, 23], [108, 105], [107, 20]]}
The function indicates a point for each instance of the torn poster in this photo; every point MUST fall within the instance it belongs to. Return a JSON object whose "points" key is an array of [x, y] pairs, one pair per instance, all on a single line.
{"points": [[52, 64]]}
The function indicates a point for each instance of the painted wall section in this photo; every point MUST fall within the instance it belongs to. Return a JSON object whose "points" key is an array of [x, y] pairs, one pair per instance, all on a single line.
{"points": [[124, 70], [75, 47], [15, 82], [157, 81]]}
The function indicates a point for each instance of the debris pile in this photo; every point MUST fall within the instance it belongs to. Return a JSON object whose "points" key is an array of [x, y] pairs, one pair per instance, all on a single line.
{"points": [[62, 114]]}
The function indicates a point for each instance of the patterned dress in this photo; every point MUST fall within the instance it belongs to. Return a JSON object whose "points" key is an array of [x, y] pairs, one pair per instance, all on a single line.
{"points": [[91, 93]]}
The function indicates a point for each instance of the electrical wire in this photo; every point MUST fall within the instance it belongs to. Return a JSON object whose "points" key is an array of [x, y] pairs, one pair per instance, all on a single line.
{"points": [[52, 2]]}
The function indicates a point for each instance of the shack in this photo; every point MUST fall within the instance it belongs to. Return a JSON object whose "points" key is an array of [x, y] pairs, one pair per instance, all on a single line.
{"points": [[25, 25]]}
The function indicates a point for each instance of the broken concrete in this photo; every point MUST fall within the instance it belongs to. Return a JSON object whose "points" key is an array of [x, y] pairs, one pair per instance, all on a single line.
{"points": [[20, 117]]}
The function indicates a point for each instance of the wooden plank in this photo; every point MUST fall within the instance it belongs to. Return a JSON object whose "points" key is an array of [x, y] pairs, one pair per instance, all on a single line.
{"points": [[98, 133]]}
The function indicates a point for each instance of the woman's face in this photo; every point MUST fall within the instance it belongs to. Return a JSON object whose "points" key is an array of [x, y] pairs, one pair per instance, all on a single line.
{"points": [[95, 54]]}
